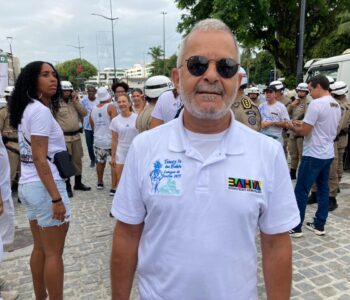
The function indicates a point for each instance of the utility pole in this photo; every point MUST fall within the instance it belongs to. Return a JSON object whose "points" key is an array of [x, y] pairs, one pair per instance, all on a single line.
{"points": [[163, 13], [301, 42], [9, 39]]}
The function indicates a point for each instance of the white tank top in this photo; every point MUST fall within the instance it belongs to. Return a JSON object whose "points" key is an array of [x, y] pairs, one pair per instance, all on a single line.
{"points": [[102, 133]]}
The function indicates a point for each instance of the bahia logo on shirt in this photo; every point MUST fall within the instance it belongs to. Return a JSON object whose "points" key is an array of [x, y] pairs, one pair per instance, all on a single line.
{"points": [[247, 185], [166, 177]]}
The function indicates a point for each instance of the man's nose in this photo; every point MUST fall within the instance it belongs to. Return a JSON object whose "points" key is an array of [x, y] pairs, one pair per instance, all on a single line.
{"points": [[211, 74]]}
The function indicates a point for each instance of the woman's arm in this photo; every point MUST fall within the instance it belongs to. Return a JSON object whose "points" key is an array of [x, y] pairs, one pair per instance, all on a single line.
{"points": [[114, 147], [39, 149]]}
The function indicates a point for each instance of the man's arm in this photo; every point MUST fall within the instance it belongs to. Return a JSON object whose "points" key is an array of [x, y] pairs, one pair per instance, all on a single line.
{"points": [[125, 245], [301, 128], [156, 122], [277, 265], [112, 111]]}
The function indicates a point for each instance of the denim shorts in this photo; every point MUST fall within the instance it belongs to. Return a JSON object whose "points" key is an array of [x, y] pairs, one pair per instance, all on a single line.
{"points": [[37, 202]]}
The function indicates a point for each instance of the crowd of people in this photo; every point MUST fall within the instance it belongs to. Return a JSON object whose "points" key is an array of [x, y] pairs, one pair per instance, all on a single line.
{"points": [[195, 188]]}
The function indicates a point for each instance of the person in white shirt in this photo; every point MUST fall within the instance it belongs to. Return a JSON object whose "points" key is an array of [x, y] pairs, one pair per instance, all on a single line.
{"points": [[166, 108], [138, 100], [100, 119], [124, 130], [89, 102], [7, 214], [194, 191], [319, 127], [41, 188], [274, 115]]}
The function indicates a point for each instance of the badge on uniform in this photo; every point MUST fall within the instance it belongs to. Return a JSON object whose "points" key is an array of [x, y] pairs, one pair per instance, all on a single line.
{"points": [[246, 103]]}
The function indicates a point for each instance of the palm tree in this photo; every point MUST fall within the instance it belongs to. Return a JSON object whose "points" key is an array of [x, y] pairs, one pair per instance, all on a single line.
{"points": [[155, 52]]}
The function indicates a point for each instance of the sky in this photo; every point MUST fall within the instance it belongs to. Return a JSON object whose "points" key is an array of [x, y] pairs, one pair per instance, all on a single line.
{"points": [[43, 29]]}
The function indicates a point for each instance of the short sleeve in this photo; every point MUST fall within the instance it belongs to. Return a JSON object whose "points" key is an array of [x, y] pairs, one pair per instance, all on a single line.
{"points": [[39, 120], [128, 205], [114, 125], [281, 212], [158, 108], [311, 114]]}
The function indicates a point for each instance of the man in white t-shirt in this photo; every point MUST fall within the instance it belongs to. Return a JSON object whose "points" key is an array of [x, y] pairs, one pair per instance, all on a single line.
{"points": [[7, 214], [319, 127], [274, 115], [200, 191], [166, 108]]}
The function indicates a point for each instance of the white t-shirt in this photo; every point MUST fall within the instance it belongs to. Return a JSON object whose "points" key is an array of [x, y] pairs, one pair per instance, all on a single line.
{"points": [[38, 120], [324, 115], [166, 107], [274, 113], [5, 179], [126, 129], [201, 216], [102, 120]]}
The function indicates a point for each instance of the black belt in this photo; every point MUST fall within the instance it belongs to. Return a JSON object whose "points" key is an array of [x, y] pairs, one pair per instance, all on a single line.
{"points": [[299, 137], [6, 139], [12, 149], [73, 132]]}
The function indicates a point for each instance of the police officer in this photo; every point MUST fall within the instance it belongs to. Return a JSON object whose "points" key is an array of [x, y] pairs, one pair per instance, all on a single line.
{"points": [[10, 138], [296, 110], [281, 97], [69, 116], [253, 94], [154, 87], [245, 110], [339, 91]]}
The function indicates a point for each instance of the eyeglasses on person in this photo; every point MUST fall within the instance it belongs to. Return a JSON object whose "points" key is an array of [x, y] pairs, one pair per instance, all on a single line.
{"points": [[198, 65]]}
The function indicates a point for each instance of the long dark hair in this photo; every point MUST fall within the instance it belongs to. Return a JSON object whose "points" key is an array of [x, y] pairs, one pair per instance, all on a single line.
{"points": [[26, 89]]}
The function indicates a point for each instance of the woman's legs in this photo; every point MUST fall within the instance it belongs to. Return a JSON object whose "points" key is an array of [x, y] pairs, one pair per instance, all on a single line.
{"points": [[53, 239], [119, 170], [37, 262]]}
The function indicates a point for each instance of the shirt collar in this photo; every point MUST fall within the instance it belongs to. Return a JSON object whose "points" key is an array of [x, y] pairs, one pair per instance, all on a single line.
{"points": [[232, 144]]}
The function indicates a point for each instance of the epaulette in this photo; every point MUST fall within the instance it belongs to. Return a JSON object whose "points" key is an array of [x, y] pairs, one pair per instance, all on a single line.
{"points": [[246, 102]]}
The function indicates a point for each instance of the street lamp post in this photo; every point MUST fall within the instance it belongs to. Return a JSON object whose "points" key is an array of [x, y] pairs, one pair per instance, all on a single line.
{"points": [[163, 13], [9, 39], [112, 20], [301, 42], [77, 47]]}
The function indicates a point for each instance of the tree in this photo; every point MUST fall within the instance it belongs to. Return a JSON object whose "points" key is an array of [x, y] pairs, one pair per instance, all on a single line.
{"points": [[156, 52], [76, 71], [271, 25], [260, 68], [158, 67]]}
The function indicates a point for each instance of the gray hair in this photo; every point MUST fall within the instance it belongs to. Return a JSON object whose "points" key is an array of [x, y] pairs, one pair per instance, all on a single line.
{"points": [[205, 26]]}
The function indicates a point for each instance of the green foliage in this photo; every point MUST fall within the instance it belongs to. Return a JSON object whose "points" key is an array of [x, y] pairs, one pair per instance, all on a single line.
{"points": [[260, 68], [269, 24], [68, 71], [158, 67]]}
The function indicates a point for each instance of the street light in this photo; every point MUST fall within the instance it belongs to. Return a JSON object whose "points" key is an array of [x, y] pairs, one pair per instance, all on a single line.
{"points": [[163, 13], [77, 47], [112, 20], [9, 39], [301, 42]]}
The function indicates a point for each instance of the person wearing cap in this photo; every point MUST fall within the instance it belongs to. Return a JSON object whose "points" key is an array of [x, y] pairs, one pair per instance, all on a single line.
{"points": [[166, 108], [339, 92], [245, 110], [285, 100], [89, 102], [253, 94], [274, 115], [10, 139], [69, 117], [296, 110], [319, 128], [194, 191], [154, 87], [100, 119]]}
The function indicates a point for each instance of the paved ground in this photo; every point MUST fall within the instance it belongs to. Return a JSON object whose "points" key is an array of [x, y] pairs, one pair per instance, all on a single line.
{"points": [[321, 264]]}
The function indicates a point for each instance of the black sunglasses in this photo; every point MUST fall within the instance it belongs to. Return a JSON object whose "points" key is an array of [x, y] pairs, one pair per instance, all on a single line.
{"points": [[198, 65]]}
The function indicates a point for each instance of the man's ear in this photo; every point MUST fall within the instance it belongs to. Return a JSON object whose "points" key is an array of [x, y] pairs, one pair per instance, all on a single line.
{"points": [[175, 77]]}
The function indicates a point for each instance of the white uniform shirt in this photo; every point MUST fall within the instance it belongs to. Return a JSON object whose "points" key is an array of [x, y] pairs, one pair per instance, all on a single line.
{"points": [[166, 107], [324, 115], [5, 179], [274, 113], [201, 216], [38, 120], [126, 129]]}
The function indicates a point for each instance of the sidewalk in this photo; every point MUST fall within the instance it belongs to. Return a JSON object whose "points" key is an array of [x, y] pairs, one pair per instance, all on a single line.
{"points": [[321, 264]]}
